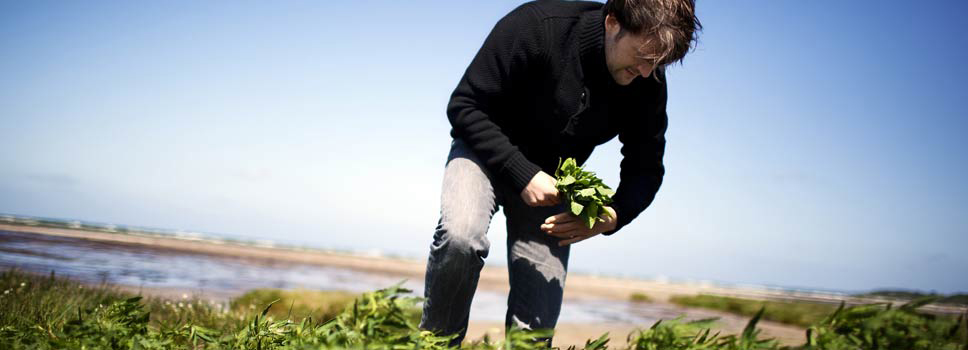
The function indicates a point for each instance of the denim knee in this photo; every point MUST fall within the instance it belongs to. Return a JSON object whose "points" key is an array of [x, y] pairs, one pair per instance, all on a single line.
{"points": [[461, 238]]}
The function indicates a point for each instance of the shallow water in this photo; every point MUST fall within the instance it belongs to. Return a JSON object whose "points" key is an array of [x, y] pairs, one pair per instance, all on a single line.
{"points": [[149, 267]]}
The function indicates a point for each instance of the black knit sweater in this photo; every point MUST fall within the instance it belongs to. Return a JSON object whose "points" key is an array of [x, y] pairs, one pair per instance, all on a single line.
{"points": [[539, 90]]}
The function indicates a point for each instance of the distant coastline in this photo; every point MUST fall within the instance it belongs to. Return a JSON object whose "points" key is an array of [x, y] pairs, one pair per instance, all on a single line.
{"points": [[579, 286], [492, 277]]}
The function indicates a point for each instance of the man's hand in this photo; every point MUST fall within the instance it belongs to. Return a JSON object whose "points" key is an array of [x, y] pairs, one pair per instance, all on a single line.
{"points": [[540, 191], [568, 227]]}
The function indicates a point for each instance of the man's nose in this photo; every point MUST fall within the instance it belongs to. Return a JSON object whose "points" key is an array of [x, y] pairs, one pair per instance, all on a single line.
{"points": [[645, 69]]}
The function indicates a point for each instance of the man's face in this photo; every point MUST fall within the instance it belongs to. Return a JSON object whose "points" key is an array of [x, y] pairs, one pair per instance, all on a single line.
{"points": [[623, 53]]}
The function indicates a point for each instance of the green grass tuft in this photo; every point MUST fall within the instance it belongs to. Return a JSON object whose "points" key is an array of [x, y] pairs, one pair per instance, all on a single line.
{"points": [[46, 312], [802, 314], [640, 298], [295, 304]]}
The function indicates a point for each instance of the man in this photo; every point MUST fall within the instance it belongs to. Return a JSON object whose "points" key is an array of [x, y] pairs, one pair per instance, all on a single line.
{"points": [[552, 80]]}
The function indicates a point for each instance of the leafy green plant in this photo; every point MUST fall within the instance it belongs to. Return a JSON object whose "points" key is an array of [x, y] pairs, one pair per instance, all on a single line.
{"points": [[881, 326], [516, 338], [585, 194], [800, 313], [97, 317], [906, 295], [295, 304], [694, 335]]}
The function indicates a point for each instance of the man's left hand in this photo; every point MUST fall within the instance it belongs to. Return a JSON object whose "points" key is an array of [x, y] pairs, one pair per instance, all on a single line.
{"points": [[570, 229]]}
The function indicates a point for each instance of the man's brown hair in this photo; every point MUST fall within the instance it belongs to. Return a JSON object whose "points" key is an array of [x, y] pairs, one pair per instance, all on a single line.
{"points": [[670, 26]]}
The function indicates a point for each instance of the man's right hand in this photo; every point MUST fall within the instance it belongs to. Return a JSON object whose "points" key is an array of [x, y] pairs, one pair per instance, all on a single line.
{"points": [[540, 191]]}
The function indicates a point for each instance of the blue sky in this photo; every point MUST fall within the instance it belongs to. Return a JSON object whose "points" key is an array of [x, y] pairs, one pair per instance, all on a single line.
{"points": [[811, 144]]}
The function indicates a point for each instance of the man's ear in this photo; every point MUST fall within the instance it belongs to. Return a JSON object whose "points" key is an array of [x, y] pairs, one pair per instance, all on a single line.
{"points": [[612, 27], [611, 24]]}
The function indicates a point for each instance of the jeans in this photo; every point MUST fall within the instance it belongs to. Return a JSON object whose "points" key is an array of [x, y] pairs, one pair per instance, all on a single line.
{"points": [[536, 264]]}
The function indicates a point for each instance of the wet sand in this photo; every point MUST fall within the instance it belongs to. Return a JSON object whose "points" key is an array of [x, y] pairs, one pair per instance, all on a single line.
{"points": [[579, 287]]}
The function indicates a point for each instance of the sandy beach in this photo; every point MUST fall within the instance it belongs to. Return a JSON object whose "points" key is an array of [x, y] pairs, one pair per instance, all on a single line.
{"points": [[492, 278]]}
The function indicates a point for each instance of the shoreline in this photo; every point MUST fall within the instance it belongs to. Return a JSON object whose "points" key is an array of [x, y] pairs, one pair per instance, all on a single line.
{"points": [[492, 277], [578, 287]]}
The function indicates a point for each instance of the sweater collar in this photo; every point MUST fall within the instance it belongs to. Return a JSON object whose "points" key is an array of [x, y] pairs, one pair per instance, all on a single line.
{"points": [[591, 44]]}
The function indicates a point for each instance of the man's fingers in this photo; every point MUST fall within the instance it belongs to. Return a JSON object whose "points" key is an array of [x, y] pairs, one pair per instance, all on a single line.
{"points": [[573, 240], [532, 200], [570, 233], [561, 218], [566, 233], [566, 217], [563, 228]]}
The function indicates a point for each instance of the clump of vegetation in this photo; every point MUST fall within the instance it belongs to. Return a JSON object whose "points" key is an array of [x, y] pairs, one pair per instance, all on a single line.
{"points": [[953, 299], [802, 314], [676, 334], [29, 300], [56, 313], [585, 194], [640, 298], [881, 326], [298, 304]]}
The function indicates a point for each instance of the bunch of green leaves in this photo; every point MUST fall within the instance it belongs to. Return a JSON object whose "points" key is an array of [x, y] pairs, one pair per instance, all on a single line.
{"points": [[122, 324], [695, 335], [382, 319], [880, 326], [584, 193], [516, 338]]}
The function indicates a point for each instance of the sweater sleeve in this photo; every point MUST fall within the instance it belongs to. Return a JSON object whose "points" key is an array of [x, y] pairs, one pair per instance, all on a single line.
{"points": [[512, 48], [643, 145]]}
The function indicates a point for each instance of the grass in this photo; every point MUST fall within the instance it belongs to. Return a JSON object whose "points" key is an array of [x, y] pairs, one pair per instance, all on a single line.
{"points": [[48, 312], [640, 298], [295, 304], [29, 300], [953, 299], [804, 314]]}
